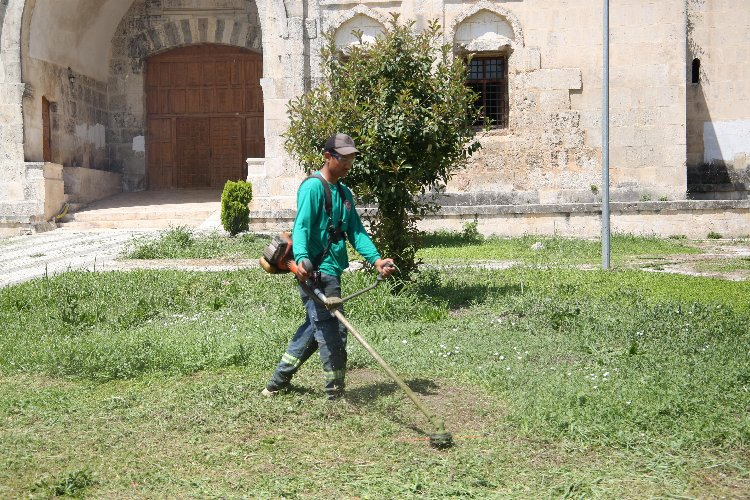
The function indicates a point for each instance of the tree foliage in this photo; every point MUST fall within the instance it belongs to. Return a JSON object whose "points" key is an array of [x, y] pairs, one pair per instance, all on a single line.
{"points": [[404, 100]]}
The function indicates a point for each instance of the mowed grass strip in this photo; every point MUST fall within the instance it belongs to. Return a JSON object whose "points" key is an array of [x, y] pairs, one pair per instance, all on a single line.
{"points": [[555, 382]]}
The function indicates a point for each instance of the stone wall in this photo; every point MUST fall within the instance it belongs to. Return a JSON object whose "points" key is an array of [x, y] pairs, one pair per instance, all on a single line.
{"points": [[686, 218], [691, 219], [79, 117], [718, 103], [86, 185], [551, 150]]}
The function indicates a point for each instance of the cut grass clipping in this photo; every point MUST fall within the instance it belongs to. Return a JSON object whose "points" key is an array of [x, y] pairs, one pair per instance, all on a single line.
{"points": [[555, 382]]}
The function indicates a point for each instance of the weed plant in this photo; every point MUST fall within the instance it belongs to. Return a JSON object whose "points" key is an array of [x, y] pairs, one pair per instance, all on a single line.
{"points": [[182, 243]]}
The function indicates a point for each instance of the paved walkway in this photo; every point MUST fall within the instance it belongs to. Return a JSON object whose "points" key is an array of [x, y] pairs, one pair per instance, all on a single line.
{"points": [[27, 257], [86, 245]]}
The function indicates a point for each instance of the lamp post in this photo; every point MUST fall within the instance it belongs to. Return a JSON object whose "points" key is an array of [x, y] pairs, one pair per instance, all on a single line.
{"points": [[605, 143]]}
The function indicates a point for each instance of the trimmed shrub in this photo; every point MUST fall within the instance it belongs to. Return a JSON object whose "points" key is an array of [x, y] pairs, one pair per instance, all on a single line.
{"points": [[235, 214]]}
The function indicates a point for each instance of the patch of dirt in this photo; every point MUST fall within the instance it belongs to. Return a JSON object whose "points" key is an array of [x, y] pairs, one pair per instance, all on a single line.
{"points": [[468, 413], [715, 252]]}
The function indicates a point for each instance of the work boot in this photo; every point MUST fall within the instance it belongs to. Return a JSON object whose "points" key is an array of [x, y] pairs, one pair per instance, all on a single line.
{"points": [[335, 395], [269, 393]]}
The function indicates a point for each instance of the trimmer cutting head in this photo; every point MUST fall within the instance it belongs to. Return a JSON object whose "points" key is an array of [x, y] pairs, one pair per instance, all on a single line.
{"points": [[441, 440]]}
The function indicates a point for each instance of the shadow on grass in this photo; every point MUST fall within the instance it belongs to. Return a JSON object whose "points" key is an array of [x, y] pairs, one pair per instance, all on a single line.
{"points": [[435, 240], [458, 296], [367, 395]]}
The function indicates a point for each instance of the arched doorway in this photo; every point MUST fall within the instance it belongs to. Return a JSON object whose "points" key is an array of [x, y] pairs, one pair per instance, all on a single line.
{"points": [[204, 115]]}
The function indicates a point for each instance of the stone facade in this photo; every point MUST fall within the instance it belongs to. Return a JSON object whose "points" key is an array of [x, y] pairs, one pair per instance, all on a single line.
{"points": [[87, 59], [718, 99]]}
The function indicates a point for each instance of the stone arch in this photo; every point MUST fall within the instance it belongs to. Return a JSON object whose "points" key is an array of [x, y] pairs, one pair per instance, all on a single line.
{"points": [[11, 13], [131, 49], [369, 27], [334, 22], [517, 39], [173, 34], [17, 183]]}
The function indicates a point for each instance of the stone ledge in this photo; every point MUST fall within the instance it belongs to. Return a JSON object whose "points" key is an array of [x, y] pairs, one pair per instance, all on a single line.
{"points": [[541, 209], [22, 212], [596, 208]]}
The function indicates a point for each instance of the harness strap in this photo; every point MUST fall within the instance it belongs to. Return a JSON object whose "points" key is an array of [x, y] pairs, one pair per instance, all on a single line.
{"points": [[334, 233]]}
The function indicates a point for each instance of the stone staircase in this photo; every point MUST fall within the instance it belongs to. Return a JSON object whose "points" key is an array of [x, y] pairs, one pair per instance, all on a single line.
{"points": [[149, 210]]}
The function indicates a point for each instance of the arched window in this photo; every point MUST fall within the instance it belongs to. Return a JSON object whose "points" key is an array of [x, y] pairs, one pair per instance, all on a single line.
{"points": [[696, 71], [367, 26], [489, 38]]}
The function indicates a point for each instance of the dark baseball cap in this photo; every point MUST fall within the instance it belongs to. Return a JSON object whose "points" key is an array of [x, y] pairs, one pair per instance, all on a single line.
{"points": [[341, 143]]}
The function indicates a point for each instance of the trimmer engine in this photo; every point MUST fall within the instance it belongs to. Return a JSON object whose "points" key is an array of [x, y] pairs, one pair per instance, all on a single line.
{"points": [[277, 254]]}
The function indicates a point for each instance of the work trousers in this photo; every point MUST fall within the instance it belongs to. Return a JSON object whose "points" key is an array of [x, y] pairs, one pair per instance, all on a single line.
{"points": [[321, 330]]}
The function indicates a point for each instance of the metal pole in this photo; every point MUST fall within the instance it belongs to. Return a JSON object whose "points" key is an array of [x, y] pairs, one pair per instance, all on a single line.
{"points": [[434, 419], [605, 143]]}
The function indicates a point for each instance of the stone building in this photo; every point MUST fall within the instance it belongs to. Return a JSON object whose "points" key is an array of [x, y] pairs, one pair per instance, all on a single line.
{"points": [[101, 96]]}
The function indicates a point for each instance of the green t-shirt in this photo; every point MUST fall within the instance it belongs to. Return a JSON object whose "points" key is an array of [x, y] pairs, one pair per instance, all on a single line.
{"points": [[310, 235]]}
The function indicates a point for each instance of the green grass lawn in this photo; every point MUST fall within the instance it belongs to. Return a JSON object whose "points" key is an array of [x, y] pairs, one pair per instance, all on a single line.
{"points": [[449, 248], [443, 247], [556, 382]]}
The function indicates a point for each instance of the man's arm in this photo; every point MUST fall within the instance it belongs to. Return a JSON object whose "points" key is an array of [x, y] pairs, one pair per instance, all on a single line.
{"points": [[304, 227]]}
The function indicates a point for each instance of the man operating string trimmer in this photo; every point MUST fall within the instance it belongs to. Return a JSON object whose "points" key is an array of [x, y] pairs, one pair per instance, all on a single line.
{"points": [[326, 218]]}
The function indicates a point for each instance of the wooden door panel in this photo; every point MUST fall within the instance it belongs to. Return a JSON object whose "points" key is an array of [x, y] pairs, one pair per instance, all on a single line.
{"points": [[178, 75], [192, 101], [161, 164], [222, 73], [46, 131], [209, 74], [254, 138], [226, 150], [177, 101], [193, 152], [194, 74]]}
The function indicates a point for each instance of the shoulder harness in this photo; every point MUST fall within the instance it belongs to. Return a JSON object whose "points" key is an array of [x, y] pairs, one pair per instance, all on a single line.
{"points": [[335, 234]]}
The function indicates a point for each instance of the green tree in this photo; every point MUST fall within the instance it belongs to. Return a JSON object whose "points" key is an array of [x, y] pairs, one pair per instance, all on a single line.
{"points": [[404, 100]]}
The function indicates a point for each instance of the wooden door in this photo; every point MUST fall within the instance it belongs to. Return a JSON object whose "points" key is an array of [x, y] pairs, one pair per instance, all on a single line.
{"points": [[205, 107]]}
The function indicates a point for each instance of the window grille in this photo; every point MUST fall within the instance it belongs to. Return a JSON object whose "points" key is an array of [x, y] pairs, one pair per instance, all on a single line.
{"points": [[488, 77]]}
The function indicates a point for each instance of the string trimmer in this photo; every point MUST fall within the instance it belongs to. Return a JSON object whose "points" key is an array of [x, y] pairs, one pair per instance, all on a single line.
{"points": [[277, 259]]}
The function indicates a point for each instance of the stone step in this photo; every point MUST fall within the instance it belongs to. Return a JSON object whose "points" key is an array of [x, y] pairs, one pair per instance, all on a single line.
{"points": [[147, 210], [139, 215], [144, 224]]}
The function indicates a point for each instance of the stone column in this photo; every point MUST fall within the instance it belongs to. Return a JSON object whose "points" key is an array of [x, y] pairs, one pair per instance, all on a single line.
{"points": [[275, 179]]}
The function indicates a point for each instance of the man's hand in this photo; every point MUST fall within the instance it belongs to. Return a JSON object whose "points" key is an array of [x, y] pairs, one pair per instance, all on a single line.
{"points": [[304, 270], [385, 267]]}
